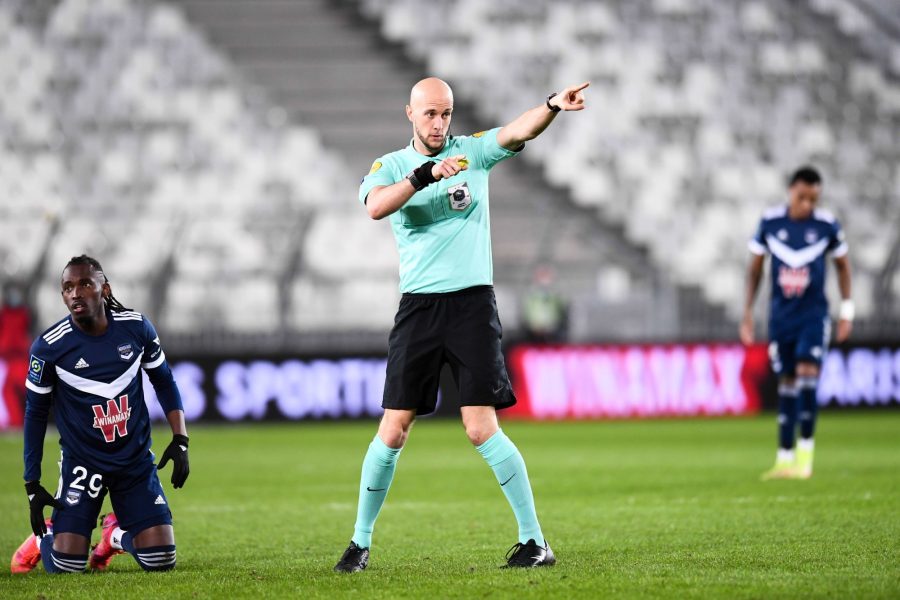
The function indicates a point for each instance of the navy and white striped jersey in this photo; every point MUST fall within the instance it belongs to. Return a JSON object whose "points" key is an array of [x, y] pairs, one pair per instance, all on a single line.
{"points": [[96, 388], [798, 250]]}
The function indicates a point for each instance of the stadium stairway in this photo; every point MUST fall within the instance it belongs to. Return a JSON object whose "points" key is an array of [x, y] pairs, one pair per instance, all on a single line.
{"points": [[329, 68]]}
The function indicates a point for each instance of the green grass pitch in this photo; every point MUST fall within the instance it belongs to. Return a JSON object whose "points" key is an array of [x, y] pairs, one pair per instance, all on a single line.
{"points": [[656, 509]]}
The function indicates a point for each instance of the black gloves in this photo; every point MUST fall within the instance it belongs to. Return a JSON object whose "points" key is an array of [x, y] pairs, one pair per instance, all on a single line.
{"points": [[38, 498], [177, 452]]}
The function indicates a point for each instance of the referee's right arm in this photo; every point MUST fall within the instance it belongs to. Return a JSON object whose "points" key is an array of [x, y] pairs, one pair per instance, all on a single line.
{"points": [[384, 200]]}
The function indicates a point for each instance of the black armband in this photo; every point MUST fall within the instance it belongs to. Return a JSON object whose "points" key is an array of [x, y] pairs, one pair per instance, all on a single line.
{"points": [[421, 177]]}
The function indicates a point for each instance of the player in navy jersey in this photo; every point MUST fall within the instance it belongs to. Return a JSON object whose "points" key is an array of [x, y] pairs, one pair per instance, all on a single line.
{"points": [[88, 366], [798, 236]]}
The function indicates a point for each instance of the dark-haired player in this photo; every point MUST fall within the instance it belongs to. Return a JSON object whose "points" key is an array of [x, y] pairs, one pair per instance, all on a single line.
{"points": [[798, 236], [435, 193], [88, 366]]}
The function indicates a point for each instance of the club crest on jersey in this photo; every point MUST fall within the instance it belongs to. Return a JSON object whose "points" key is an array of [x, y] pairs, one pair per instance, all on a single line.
{"points": [[811, 236], [35, 369], [73, 497], [782, 235], [793, 282], [126, 352], [114, 420], [460, 199]]}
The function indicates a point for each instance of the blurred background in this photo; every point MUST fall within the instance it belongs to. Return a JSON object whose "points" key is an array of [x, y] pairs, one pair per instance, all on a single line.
{"points": [[208, 153]]}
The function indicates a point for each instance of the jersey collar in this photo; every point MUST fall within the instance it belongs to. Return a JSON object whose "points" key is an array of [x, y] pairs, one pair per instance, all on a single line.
{"points": [[96, 338], [443, 152]]}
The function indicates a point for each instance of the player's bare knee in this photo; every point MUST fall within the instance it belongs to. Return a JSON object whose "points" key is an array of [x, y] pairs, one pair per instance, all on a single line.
{"points": [[807, 370], [479, 433], [395, 426], [480, 423], [787, 381], [71, 543], [393, 437]]}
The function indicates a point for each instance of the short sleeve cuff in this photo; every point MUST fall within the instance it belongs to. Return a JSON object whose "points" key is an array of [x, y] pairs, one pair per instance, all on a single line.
{"points": [[496, 149], [756, 248], [840, 251], [379, 175]]}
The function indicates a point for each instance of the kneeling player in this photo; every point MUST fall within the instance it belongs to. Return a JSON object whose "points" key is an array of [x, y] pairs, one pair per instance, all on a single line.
{"points": [[88, 366]]}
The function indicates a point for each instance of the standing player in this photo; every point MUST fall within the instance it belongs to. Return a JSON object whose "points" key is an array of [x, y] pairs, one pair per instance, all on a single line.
{"points": [[798, 236], [88, 366], [435, 192]]}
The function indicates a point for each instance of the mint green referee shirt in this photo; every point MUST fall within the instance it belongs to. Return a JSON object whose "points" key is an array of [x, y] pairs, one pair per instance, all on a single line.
{"points": [[443, 232]]}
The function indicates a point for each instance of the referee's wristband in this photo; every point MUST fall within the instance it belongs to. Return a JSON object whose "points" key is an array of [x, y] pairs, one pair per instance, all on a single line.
{"points": [[421, 177], [847, 310]]}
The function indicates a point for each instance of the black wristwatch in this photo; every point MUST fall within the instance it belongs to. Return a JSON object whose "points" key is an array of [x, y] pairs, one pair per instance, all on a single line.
{"points": [[550, 107]]}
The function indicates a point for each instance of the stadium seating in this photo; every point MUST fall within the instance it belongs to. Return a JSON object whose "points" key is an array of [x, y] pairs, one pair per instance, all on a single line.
{"points": [[195, 196], [701, 109], [128, 134]]}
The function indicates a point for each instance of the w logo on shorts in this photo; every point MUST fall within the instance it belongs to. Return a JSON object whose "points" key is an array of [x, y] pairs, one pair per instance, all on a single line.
{"points": [[115, 419]]}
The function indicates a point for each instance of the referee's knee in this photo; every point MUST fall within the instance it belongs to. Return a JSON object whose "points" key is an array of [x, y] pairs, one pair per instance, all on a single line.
{"points": [[480, 433], [393, 438], [394, 428]]}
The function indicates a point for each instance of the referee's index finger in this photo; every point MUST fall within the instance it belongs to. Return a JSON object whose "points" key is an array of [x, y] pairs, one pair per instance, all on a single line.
{"points": [[461, 160], [582, 86]]}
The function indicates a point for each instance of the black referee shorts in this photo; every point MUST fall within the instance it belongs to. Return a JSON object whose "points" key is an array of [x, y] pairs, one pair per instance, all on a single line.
{"points": [[459, 328]]}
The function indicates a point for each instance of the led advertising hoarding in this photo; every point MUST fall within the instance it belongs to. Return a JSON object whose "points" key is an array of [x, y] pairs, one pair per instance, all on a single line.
{"points": [[614, 382], [551, 382]]}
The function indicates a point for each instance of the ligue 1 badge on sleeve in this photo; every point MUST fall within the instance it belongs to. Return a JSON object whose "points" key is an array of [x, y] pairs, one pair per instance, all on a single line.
{"points": [[460, 199], [35, 369]]}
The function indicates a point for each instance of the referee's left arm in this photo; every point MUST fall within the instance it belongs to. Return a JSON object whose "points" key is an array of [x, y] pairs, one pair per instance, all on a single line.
{"points": [[532, 123]]}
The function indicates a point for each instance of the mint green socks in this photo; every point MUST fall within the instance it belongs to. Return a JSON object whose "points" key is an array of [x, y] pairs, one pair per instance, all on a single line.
{"points": [[377, 473], [498, 452], [504, 458]]}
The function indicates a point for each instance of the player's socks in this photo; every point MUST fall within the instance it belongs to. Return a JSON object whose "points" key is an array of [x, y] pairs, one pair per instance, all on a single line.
{"points": [[115, 538], [804, 464], [152, 558], [377, 473], [504, 458], [787, 416], [809, 407], [60, 562]]}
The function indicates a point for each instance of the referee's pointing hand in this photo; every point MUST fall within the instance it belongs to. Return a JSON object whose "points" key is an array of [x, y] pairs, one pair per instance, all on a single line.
{"points": [[450, 166], [570, 98]]}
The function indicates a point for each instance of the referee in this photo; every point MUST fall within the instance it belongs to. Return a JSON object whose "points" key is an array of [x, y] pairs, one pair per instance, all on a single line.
{"points": [[435, 192]]}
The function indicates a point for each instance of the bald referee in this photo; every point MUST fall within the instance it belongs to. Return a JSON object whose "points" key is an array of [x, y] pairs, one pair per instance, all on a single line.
{"points": [[435, 192]]}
